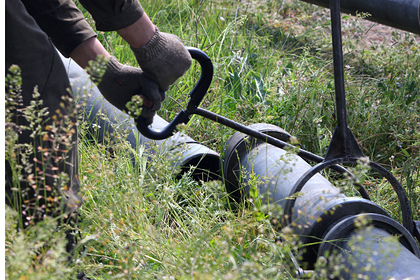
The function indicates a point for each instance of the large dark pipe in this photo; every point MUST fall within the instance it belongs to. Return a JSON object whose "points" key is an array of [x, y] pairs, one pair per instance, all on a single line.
{"points": [[401, 14], [323, 218], [371, 251], [104, 119]]}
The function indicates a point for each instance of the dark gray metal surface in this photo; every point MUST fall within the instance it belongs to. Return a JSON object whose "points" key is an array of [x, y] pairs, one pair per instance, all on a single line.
{"points": [[373, 252], [319, 206], [401, 14]]}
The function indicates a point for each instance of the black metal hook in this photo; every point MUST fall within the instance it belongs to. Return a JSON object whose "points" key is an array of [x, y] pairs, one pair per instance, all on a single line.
{"points": [[196, 96]]}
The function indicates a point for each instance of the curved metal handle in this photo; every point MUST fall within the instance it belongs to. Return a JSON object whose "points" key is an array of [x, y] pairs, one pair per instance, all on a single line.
{"points": [[196, 96]]}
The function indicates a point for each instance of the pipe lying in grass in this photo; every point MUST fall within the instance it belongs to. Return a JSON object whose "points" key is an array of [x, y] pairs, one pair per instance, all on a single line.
{"points": [[323, 218], [401, 14], [103, 119]]}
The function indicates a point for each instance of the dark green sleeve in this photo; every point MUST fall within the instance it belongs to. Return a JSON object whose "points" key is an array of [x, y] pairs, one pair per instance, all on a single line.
{"points": [[110, 15], [66, 25], [63, 22]]}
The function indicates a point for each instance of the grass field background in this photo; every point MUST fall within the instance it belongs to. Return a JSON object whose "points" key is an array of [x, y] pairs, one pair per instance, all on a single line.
{"points": [[273, 64]]}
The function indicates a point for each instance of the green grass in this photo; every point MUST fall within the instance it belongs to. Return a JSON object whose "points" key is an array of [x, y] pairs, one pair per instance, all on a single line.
{"points": [[273, 64]]}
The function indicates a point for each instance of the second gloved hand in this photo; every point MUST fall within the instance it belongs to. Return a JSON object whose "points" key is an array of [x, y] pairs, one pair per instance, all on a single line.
{"points": [[164, 59], [121, 82]]}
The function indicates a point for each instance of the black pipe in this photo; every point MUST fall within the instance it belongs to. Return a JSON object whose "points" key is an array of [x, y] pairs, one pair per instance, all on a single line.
{"points": [[371, 251], [401, 14], [319, 208], [103, 119]]}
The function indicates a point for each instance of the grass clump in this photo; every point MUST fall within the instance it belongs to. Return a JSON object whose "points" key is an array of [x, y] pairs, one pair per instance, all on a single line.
{"points": [[273, 64], [36, 253], [142, 225]]}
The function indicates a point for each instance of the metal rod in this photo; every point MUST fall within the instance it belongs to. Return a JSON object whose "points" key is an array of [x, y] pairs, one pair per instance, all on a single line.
{"points": [[340, 93], [254, 133], [262, 136]]}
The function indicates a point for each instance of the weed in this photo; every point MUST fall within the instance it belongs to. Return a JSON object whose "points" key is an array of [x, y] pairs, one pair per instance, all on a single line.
{"points": [[272, 64]]}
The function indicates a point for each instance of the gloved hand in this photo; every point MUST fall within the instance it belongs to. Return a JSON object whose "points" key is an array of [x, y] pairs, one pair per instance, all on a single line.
{"points": [[121, 82], [164, 59]]}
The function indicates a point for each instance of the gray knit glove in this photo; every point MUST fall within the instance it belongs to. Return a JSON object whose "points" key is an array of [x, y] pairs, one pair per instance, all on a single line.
{"points": [[164, 59], [121, 82]]}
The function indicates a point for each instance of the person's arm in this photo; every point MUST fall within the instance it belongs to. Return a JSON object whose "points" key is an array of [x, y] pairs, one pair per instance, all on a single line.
{"points": [[112, 15], [120, 82], [87, 51], [136, 35], [139, 33], [67, 27], [160, 55], [62, 21]]}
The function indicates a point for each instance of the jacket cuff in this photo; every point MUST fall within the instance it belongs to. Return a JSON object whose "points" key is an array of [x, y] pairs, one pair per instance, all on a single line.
{"points": [[127, 16]]}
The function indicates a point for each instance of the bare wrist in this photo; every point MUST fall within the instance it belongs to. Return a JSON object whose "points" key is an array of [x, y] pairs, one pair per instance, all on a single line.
{"points": [[87, 51], [139, 33]]}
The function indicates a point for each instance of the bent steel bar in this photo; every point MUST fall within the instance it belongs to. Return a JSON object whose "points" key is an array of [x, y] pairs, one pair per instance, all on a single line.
{"points": [[196, 96], [399, 190], [104, 121], [401, 14]]}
